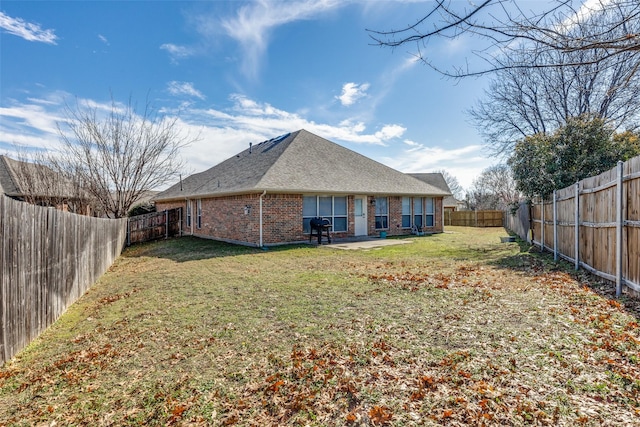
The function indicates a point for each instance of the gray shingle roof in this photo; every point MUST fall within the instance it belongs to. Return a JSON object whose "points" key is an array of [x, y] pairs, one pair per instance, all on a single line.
{"points": [[19, 179], [435, 179], [7, 179], [299, 162]]}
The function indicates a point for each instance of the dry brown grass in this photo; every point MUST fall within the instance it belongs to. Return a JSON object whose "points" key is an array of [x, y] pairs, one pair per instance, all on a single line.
{"points": [[454, 329]]}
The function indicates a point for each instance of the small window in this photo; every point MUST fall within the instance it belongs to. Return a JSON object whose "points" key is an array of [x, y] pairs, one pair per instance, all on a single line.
{"points": [[382, 213], [406, 212], [199, 213], [188, 213], [417, 212], [430, 212]]}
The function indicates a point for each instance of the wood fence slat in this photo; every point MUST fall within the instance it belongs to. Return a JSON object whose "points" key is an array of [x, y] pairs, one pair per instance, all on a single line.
{"points": [[48, 259], [474, 218], [596, 222]]}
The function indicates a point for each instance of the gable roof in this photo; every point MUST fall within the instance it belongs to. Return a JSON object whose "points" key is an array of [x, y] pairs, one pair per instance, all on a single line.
{"points": [[451, 201], [299, 162], [435, 179]]}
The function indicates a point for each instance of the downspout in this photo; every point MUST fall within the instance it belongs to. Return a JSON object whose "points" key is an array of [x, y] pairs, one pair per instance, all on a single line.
{"points": [[261, 196]]}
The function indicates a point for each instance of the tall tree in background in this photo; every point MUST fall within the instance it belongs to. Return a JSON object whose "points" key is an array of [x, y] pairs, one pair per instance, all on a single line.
{"points": [[608, 29], [495, 188], [120, 155], [521, 102], [452, 182], [585, 147]]}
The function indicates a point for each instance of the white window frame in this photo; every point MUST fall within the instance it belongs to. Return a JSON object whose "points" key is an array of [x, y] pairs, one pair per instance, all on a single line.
{"points": [[331, 217], [418, 211], [188, 216], [199, 213], [380, 214], [406, 212], [431, 214]]}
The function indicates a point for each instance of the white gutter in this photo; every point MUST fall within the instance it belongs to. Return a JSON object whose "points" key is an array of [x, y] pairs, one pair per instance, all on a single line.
{"points": [[261, 196]]}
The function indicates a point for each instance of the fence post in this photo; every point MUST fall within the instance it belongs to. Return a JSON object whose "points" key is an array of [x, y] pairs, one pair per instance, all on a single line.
{"points": [[577, 226], [128, 232], [555, 227], [619, 225], [542, 226]]}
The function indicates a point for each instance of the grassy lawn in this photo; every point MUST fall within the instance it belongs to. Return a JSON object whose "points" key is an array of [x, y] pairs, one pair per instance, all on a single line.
{"points": [[453, 329]]}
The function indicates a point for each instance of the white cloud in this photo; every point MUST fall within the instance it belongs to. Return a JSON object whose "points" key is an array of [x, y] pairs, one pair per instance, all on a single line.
{"points": [[177, 52], [27, 30], [465, 163], [221, 132], [390, 132], [103, 39], [225, 132], [351, 92], [584, 12], [183, 89], [251, 27]]}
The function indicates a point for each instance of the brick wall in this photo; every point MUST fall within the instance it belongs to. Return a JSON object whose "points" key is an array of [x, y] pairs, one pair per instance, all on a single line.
{"points": [[237, 218], [395, 218]]}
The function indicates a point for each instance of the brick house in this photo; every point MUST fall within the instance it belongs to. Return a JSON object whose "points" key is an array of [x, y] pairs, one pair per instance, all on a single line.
{"points": [[450, 203], [267, 194]]}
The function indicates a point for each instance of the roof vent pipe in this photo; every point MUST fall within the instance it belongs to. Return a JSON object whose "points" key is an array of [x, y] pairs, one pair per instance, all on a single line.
{"points": [[250, 144]]}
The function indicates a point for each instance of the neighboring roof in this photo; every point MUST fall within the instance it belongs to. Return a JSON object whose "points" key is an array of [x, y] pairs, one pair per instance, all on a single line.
{"points": [[7, 177], [450, 201], [299, 162], [19, 179], [435, 179]]}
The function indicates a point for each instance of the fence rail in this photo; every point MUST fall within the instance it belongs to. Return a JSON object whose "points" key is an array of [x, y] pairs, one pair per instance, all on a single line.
{"points": [[595, 224], [48, 259], [474, 218], [155, 225]]}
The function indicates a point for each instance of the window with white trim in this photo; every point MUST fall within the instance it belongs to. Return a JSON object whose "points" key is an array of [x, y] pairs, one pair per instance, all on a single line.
{"points": [[417, 212], [199, 213], [382, 213], [333, 208], [430, 211], [406, 212], [188, 213]]}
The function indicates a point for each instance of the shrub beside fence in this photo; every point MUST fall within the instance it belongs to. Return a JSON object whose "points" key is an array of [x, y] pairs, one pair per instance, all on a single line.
{"points": [[48, 259], [474, 218], [594, 224]]}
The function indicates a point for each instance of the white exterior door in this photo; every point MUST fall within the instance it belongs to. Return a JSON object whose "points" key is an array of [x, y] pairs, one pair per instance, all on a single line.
{"points": [[360, 215]]}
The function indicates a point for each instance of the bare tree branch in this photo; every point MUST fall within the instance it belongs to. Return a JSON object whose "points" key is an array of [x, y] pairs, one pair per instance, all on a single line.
{"points": [[608, 29], [121, 155]]}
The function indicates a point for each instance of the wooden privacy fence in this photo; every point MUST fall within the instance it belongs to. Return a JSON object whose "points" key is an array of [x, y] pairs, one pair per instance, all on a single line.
{"points": [[474, 218], [48, 259], [155, 225], [595, 224], [519, 221]]}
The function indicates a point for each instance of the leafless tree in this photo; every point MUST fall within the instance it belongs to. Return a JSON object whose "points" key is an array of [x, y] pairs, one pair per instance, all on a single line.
{"points": [[119, 154], [525, 101], [605, 28], [495, 188], [453, 183]]}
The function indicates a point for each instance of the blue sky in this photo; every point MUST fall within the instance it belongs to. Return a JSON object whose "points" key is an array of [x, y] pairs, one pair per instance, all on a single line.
{"points": [[238, 72]]}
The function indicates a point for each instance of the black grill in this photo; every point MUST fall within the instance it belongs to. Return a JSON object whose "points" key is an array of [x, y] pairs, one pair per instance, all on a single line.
{"points": [[320, 225]]}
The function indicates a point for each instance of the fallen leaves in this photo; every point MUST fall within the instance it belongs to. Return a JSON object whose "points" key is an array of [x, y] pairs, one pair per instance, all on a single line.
{"points": [[397, 342]]}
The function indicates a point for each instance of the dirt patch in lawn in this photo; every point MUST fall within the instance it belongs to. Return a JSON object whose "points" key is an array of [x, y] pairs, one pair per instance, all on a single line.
{"points": [[453, 329]]}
